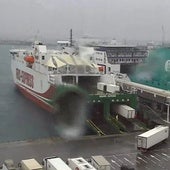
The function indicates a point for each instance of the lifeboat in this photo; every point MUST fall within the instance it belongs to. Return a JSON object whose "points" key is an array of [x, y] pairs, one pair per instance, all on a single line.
{"points": [[29, 59], [101, 68]]}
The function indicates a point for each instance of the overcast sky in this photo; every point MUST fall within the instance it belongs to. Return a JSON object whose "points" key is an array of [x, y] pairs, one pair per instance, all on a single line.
{"points": [[52, 19]]}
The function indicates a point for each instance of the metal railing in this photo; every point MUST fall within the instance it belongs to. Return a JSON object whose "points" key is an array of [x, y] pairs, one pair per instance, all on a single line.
{"points": [[99, 131]]}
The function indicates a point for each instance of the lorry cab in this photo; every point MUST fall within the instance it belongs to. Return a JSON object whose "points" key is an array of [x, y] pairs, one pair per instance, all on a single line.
{"points": [[44, 162], [8, 165], [30, 164], [55, 163]]}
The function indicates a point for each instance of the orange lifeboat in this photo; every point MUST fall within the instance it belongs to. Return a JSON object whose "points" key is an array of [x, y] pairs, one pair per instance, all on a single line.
{"points": [[101, 68], [29, 59]]}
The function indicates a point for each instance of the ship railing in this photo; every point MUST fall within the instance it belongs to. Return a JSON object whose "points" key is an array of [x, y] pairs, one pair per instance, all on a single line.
{"points": [[76, 72]]}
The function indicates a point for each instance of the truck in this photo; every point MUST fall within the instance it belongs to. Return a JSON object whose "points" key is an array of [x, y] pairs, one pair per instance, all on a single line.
{"points": [[30, 164], [8, 165], [79, 164], [55, 163], [100, 163], [125, 111], [152, 137]]}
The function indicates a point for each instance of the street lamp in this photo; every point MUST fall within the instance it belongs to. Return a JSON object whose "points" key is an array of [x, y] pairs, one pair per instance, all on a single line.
{"points": [[167, 104]]}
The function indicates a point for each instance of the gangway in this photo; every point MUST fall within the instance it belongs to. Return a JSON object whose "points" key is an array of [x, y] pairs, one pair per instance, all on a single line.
{"points": [[146, 92], [132, 87]]}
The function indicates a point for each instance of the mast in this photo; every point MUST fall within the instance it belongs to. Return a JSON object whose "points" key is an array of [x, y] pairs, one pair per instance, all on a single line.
{"points": [[163, 36], [71, 38]]}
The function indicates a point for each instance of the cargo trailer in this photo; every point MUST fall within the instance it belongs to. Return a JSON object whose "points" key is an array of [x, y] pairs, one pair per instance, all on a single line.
{"points": [[30, 164], [100, 163], [55, 163], [8, 165], [152, 137], [79, 164], [125, 111]]}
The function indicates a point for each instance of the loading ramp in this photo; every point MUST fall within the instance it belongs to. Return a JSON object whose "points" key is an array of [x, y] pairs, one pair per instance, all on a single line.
{"points": [[102, 127]]}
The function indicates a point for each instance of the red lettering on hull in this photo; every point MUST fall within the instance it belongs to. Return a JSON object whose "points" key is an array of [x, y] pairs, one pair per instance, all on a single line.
{"points": [[25, 78]]}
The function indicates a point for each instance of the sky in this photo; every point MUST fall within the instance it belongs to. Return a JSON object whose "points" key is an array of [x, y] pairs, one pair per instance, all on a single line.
{"points": [[143, 20]]}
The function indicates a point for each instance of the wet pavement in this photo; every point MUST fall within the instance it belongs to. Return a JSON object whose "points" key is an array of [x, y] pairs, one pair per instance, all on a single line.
{"points": [[118, 150], [158, 159]]}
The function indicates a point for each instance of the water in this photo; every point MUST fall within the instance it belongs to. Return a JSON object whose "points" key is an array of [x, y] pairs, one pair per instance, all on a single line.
{"points": [[20, 119]]}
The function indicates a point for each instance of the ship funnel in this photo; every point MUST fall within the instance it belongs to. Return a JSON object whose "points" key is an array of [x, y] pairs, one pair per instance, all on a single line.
{"points": [[70, 111]]}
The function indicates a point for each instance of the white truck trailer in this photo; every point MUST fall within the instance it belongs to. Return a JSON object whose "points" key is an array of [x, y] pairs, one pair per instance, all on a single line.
{"points": [[55, 163], [100, 163], [79, 164], [8, 165], [152, 137], [125, 111], [30, 164]]}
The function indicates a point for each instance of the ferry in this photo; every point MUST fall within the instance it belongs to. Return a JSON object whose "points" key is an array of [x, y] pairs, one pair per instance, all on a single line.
{"points": [[68, 84]]}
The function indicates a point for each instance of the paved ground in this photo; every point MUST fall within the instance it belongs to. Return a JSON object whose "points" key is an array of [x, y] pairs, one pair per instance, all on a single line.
{"points": [[158, 159], [118, 150]]}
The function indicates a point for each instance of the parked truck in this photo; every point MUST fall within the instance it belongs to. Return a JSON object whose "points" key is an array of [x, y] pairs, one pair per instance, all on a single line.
{"points": [[55, 163], [152, 137], [8, 165], [79, 164], [30, 164], [100, 163], [125, 111]]}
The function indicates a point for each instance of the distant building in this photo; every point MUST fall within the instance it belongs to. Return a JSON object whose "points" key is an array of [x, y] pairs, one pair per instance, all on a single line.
{"points": [[125, 55]]}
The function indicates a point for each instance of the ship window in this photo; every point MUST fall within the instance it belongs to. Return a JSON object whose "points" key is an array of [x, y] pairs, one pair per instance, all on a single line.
{"points": [[43, 57], [86, 166], [49, 69], [80, 160], [109, 68]]}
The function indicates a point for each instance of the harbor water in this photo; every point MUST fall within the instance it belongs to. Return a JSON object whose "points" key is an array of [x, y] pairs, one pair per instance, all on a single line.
{"points": [[20, 118]]}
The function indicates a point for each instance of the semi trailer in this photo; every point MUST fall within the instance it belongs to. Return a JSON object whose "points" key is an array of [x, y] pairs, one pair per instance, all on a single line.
{"points": [[152, 137]]}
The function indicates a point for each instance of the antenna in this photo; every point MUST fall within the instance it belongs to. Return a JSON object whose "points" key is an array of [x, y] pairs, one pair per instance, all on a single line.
{"points": [[36, 35], [71, 38]]}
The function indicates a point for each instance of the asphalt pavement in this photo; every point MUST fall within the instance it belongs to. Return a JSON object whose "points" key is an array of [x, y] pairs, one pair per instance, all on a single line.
{"points": [[117, 149]]}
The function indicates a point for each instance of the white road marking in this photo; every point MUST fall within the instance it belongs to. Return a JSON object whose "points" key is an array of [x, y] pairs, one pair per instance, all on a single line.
{"points": [[161, 157], [137, 162], [153, 161], [113, 167], [155, 158], [129, 161], [115, 163], [149, 159], [118, 159], [165, 155], [142, 159]]}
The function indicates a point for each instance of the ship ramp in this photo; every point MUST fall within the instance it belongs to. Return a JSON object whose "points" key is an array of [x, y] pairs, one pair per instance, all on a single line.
{"points": [[103, 127], [132, 125]]}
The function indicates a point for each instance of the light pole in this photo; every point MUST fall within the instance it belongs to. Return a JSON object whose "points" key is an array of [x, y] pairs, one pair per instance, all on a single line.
{"points": [[168, 104], [167, 113]]}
